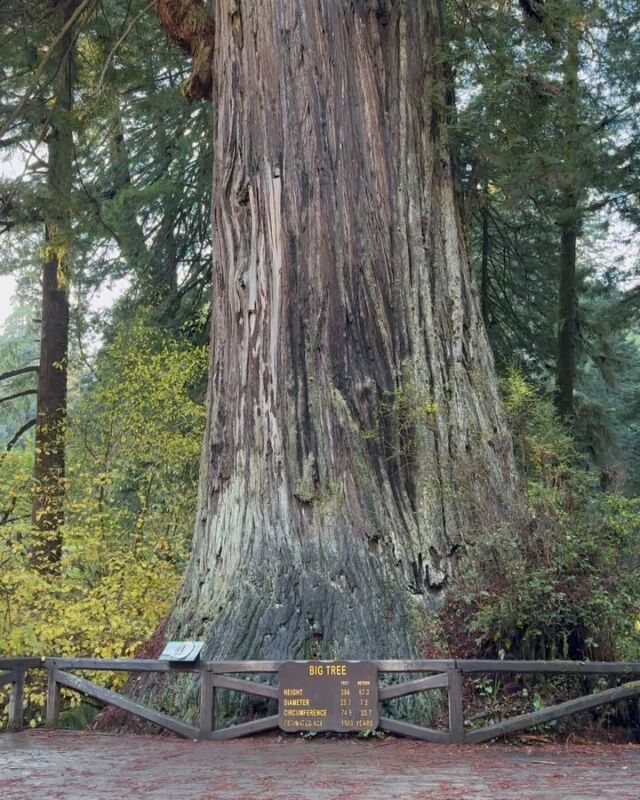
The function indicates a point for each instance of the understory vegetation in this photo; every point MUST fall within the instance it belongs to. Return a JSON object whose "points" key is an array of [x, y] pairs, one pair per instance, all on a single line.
{"points": [[133, 447], [566, 585]]}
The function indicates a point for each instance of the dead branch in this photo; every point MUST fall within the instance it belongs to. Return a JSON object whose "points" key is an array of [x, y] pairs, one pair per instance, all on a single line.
{"points": [[16, 437], [14, 372], [16, 395]]}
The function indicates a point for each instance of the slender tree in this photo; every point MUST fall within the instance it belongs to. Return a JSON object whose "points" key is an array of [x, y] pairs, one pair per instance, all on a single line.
{"points": [[569, 224], [355, 442], [49, 469]]}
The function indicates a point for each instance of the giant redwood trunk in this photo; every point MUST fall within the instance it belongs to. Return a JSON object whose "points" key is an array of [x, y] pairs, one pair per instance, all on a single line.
{"points": [[355, 444]]}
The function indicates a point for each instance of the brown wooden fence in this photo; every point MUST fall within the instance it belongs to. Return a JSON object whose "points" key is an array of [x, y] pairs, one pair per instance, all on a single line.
{"points": [[438, 674]]}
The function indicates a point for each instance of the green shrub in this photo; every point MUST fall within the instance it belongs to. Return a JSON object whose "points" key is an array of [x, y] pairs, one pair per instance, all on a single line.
{"points": [[133, 450], [566, 583]]}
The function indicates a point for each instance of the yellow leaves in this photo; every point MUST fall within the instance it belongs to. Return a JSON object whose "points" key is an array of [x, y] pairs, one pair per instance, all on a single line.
{"points": [[544, 446], [92, 52], [104, 603], [519, 394], [57, 251], [131, 484]]}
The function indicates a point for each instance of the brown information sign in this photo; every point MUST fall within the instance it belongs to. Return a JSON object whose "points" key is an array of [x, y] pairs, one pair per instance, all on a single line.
{"points": [[328, 696]]}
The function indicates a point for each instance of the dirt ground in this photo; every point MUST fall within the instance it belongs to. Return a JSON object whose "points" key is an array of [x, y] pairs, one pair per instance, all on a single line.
{"points": [[89, 766]]}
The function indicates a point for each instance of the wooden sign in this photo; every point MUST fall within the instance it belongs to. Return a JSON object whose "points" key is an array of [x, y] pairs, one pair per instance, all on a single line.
{"points": [[328, 696]]}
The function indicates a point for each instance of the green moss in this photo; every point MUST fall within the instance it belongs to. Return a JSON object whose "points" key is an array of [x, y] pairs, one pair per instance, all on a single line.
{"points": [[308, 490], [305, 489], [403, 416]]}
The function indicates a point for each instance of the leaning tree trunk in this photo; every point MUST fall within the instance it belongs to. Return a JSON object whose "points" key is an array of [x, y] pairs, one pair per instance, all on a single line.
{"points": [[355, 442]]}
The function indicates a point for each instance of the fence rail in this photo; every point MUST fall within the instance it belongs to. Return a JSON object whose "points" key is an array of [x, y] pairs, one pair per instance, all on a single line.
{"points": [[216, 675]]}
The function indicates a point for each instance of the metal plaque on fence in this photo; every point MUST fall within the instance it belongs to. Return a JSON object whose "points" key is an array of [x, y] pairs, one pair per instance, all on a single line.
{"points": [[181, 651], [328, 696]]}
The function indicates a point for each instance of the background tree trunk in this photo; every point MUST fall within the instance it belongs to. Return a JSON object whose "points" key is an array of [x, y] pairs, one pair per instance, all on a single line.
{"points": [[567, 324], [570, 223], [355, 441], [49, 465]]}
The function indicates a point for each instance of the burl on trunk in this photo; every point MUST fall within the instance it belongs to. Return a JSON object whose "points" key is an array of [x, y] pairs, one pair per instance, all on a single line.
{"points": [[355, 442]]}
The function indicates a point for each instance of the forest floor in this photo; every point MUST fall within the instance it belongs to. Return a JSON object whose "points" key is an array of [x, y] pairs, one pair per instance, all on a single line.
{"points": [[89, 766]]}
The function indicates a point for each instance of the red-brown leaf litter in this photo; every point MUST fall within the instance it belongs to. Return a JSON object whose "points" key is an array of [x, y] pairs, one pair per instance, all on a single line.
{"points": [[91, 766]]}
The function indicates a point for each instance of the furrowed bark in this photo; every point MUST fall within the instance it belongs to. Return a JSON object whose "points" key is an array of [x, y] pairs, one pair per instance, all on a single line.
{"points": [[355, 441]]}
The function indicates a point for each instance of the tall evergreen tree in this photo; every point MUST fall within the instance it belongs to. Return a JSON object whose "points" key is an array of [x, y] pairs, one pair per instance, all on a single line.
{"points": [[109, 184], [51, 411], [548, 132]]}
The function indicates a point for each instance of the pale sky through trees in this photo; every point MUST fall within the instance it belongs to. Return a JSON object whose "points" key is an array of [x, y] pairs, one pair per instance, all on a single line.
{"points": [[7, 289], [12, 167]]}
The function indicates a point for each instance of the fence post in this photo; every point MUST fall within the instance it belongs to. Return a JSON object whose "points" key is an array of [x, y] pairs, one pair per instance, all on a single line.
{"points": [[456, 710], [16, 701], [207, 704], [53, 698]]}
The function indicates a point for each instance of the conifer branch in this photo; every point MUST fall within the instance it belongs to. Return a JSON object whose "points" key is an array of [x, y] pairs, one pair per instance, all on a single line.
{"points": [[121, 40], [6, 126]]}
